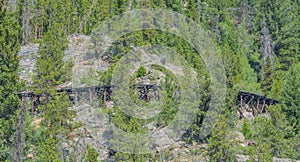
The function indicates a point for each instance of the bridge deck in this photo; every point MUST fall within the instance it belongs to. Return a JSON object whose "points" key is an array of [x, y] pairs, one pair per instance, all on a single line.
{"points": [[255, 103], [251, 96], [67, 90], [86, 90]]}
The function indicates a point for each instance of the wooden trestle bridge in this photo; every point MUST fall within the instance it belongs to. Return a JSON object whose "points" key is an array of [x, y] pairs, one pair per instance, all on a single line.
{"points": [[254, 103], [90, 95], [250, 102]]}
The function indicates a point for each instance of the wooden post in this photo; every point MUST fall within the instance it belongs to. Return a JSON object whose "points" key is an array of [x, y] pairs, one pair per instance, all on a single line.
{"points": [[239, 109], [76, 97], [33, 98], [263, 106], [36, 31], [38, 104], [91, 100], [257, 106], [104, 96], [253, 107], [147, 95]]}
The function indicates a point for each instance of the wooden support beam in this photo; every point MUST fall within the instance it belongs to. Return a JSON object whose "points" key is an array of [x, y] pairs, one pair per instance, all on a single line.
{"points": [[91, 96], [104, 97], [239, 109], [257, 105], [76, 98], [263, 106]]}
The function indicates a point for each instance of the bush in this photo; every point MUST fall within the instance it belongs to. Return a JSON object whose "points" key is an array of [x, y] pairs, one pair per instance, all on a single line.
{"points": [[141, 72], [246, 129], [92, 154]]}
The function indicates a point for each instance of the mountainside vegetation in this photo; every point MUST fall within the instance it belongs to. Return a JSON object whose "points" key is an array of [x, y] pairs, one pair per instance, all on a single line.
{"points": [[259, 42]]}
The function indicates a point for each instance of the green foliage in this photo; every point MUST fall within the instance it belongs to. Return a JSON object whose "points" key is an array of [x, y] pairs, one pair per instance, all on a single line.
{"points": [[57, 123], [57, 116], [126, 122], [130, 157], [105, 76], [9, 83], [259, 42], [267, 76], [51, 70], [276, 89], [272, 135], [90, 78], [219, 148], [248, 80], [141, 72], [290, 98], [47, 150], [92, 154], [246, 129]]}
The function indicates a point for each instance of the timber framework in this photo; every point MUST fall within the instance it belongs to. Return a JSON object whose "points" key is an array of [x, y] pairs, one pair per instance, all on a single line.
{"points": [[91, 95], [246, 102], [254, 103]]}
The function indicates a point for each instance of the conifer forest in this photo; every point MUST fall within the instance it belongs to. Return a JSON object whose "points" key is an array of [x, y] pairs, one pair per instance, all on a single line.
{"points": [[149, 80]]}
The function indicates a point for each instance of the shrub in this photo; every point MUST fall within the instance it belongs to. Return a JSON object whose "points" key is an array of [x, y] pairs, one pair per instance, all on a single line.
{"points": [[141, 72], [246, 129]]}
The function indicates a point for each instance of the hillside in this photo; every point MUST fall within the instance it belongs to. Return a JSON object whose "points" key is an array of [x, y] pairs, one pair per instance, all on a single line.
{"points": [[149, 80]]}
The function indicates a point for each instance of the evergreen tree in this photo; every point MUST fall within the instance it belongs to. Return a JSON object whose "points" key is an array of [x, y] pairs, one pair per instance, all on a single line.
{"points": [[290, 98], [267, 76], [57, 123], [92, 154], [9, 83], [257, 38], [288, 34], [47, 150], [219, 148], [246, 129], [276, 88], [232, 68], [248, 80], [271, 135], [51, 70]]}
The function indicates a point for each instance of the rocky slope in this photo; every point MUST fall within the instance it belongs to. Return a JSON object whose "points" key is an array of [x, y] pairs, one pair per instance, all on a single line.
{"points": [[96, 123]]}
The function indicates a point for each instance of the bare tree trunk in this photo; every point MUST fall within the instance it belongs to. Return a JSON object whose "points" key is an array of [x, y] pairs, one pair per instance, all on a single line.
{"points": [[19, 135], [218, 32], [25, 23], [199, 9], [243, 11], [129, 6], [267, 45]]}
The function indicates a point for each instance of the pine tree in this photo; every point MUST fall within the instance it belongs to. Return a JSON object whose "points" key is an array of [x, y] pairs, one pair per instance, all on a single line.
{"points": [[51, 70], [232, 66], [219, 148], [92, 154], [272, 135], [246, 129], [267, 76], [248, 80], [57, 123], [288, 34], [276, 88], [47, 150], [9, 83], [290, 98], [277, 31]]}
